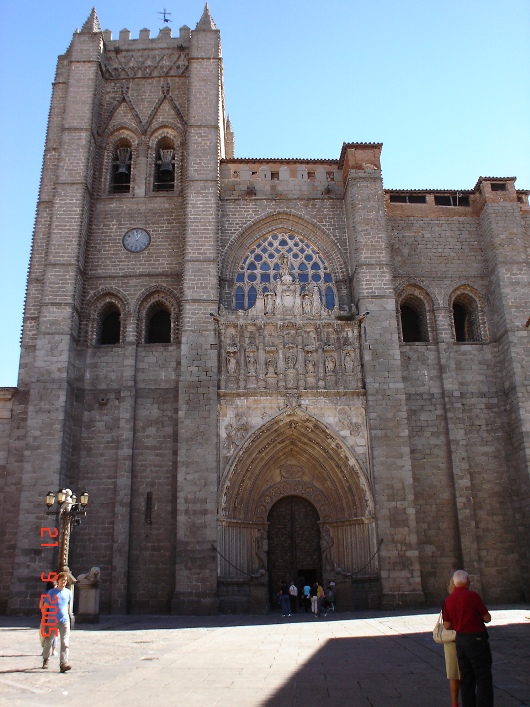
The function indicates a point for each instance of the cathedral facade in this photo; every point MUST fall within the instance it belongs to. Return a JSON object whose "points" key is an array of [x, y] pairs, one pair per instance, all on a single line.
{"points": [[259, 369]]}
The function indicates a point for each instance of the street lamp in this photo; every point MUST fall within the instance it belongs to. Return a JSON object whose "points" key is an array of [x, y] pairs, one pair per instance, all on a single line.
{"points": [[69, 512]]}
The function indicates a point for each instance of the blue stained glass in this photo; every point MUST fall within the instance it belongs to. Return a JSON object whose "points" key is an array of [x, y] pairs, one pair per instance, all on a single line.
{"points": [[240, 298], [276, 266], [265, 266], [258, 258], [303, 266], [252, 266], [330, 298], [308, 258], [315, 266], [291, 237], [252, 277], [252, 294], [327, 277], [316, 277], [271, 256], [240, 277], [295, 256], [283, 243], [303, 277], [265, 277]]}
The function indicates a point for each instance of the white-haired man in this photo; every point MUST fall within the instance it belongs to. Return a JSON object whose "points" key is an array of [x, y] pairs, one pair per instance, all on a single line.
{"points": [[465, 612]]}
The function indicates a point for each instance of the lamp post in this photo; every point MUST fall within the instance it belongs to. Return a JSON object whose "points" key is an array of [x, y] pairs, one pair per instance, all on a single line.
{"points": [[69, 512]]}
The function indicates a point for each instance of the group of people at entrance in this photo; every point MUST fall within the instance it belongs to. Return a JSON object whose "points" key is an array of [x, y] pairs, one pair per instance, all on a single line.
{"points": [[311, 598], [468, 657]]}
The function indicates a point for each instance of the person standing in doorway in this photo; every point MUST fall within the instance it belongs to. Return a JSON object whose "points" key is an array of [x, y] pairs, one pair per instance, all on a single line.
{"points": [[293, 596], [284, 598], [465, 612]]}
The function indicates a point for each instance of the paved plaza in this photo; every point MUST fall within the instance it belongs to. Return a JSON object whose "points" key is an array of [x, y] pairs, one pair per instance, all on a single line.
{"points": [[368, 659]]}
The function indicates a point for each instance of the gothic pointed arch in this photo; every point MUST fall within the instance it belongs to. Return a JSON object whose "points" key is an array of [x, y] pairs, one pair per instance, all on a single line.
{"points": [[294, 454], [107, 314], [119, 161], [309, 238], [468, 314], [157, 302], [415, 314], [165, 162]]}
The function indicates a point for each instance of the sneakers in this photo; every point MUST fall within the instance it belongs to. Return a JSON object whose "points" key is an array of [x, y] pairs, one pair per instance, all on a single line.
{"points": [[65, 667], [45, 664]]}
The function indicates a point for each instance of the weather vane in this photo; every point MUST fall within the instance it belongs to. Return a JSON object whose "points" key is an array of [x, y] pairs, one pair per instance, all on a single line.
{"points": [[165, 16]]}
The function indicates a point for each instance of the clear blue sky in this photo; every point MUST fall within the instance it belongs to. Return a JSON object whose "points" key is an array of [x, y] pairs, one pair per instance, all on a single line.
{"points": [[445, 87]]}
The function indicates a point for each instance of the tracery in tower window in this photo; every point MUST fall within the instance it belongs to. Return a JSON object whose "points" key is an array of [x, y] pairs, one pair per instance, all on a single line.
{"points": [[279, 256]]}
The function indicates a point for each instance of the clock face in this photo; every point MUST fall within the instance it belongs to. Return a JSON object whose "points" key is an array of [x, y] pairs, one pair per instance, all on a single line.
{"points": [[136, 240]]}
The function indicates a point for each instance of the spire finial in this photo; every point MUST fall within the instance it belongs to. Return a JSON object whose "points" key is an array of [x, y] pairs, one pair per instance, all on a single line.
{"points": [[206, 21], [92, 23]]}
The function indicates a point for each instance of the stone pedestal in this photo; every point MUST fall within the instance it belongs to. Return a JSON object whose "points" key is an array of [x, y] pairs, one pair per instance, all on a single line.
{"points": [[88, 592]]}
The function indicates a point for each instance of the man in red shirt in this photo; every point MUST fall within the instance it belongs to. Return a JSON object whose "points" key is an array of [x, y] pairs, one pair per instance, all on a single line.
{"points": [[465, 612]]}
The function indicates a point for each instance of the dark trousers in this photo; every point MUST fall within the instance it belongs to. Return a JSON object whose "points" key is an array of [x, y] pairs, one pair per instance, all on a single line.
{"points": [[474, 660]]}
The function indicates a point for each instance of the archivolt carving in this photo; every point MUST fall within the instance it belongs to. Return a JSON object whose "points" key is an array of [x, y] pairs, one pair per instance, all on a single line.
{"points": [[326, 471]]}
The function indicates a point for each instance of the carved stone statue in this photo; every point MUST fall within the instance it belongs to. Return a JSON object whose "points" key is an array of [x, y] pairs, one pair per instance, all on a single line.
{"points": [[231, 364], [349, 363], [271, 365], [326, 543], [330, 363], [252, 365], [262, 548], [290, 359], [310, 363]]}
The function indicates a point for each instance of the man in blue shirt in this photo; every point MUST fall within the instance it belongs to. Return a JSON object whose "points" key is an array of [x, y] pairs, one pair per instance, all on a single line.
{"points": [[55, 607]]}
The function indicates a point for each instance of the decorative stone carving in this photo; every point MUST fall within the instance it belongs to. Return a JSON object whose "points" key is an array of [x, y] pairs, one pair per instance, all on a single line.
{"points": [[144, 63], [326, 543], [235, 433], [347, 419]]}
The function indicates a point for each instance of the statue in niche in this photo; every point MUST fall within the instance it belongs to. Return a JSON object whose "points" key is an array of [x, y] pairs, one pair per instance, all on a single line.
{"points": [[252, 365], [262, 548], [290, 359], [306, 304], [326, 543], [349, 363], [271, 365], [270, 302], [330, 363], [285, 275], [310, 363], [231, 364]]}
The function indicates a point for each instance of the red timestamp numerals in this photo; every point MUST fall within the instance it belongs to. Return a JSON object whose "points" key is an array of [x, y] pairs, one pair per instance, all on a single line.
{"points": [[48, 605], [52, 533]]}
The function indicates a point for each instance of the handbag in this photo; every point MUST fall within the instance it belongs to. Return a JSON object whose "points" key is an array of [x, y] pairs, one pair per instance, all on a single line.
{"points": [[441, 634]]}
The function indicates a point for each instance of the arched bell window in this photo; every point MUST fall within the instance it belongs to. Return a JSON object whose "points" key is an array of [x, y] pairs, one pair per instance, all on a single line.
{"points": [[121, 168], [164, 177]]}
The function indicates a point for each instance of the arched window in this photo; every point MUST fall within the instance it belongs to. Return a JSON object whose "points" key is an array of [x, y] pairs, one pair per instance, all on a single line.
{"points": [[158, 327], [164, 177], [415, 315], [109, 329], [120, 182], [260, 269], [466, 318]]}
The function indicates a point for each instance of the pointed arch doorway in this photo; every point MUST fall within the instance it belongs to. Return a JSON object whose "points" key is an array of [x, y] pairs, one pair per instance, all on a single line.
{"points": [[291, 456], [294, 544]]}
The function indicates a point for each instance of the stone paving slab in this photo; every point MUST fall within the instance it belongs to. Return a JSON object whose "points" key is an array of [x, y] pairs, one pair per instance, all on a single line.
{"points": [[368, 659]]}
